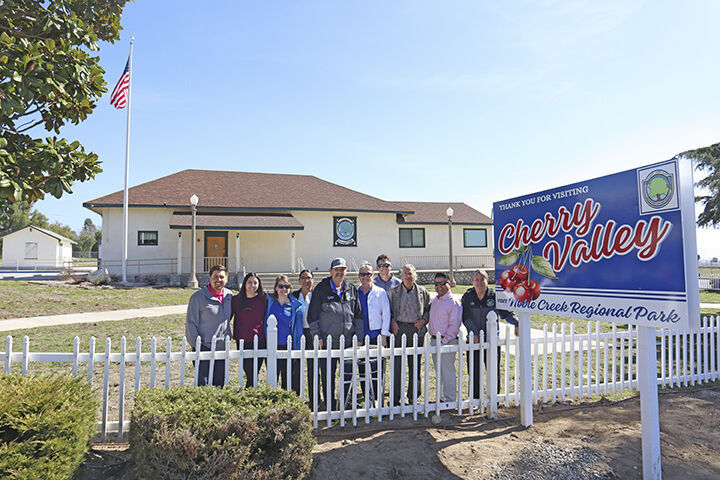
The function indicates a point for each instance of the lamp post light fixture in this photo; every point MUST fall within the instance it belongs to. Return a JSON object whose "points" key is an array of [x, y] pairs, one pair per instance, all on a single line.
{"points": [[192, 281], [450, 212]]}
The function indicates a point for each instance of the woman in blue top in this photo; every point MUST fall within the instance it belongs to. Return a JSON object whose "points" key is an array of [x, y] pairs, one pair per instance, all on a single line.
{"points": [[288, 312]]}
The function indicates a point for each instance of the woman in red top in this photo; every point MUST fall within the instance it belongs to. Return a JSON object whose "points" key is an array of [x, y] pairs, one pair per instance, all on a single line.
{"points": [[248, 313]]}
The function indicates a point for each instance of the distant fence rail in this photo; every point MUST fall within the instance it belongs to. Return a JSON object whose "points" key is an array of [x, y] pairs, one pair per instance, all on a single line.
{"points": [[143, 265], [710, 282], [566, 365], [48, 263], [432, 262]]}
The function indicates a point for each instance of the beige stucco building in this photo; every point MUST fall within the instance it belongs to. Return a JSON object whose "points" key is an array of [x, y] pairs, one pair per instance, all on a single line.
{"points": [[280, 223]]}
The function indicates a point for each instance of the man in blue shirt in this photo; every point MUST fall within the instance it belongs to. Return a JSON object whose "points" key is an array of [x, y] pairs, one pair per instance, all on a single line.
{"points": [[385, 279]]}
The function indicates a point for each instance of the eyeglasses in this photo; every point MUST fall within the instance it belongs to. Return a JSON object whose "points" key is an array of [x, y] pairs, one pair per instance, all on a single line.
{"points": [[283, 286], [306, 278], [365, 274], [440, 284], [384, 265]]}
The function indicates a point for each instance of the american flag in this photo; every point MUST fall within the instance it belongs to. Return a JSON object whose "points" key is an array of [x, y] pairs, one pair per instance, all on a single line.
{"points": [[118, 98]]}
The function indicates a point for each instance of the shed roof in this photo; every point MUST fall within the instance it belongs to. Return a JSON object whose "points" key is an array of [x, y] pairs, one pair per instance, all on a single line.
{"points": [[56, 236]]}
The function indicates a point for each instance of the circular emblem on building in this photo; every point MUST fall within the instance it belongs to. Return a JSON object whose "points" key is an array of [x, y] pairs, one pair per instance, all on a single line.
{"points": [[658, 188], [345, 229]]}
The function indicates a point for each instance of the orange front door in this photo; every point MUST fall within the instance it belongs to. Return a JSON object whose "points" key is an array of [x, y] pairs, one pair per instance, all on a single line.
{"points": [[215, 250]]}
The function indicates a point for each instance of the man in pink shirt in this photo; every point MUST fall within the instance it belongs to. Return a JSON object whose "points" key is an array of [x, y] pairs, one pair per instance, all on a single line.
{"points": [[445, 319]]}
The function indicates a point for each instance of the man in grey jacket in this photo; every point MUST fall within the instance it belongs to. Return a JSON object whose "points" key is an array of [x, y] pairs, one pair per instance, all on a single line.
{"points": [[409, 314], [334, 311], [208, 317]]}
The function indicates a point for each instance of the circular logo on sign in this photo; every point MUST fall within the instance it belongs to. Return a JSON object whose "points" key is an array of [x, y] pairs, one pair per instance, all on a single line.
{"points": [[658, 188], [345, 229]]}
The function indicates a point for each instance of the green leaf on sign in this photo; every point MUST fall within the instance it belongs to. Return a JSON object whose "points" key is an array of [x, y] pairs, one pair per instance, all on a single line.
{"points": [[542, 266], [509, 259]]}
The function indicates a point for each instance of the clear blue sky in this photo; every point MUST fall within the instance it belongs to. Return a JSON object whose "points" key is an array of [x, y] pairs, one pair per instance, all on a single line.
{"points": [[461, 100]]}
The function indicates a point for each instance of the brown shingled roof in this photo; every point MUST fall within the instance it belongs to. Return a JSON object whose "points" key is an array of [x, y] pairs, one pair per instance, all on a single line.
{"points": [[436, 213], [181, 220], [246, 190]]}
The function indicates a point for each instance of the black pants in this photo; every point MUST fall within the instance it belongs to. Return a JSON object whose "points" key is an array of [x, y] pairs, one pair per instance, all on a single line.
{"points": [[218, 377], [309, 347], [476, 370], [413, 370], [248, 369], [361, 367], [324, 379], [282, 368]]}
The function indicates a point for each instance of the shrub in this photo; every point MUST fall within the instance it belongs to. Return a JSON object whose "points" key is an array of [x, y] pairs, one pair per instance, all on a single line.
{"points": [[46, 423], [224, 433]]}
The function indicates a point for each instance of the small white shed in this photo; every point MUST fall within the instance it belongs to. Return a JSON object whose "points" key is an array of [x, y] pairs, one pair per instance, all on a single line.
{"points": [[33, 247]]}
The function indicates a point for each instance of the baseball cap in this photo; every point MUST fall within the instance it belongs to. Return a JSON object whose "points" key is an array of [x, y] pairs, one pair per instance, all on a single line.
{"points": [[338, 262]]}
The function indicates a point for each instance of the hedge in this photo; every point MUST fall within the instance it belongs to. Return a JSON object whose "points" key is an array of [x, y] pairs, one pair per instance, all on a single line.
{"points": [[220, 433], [46, 423]]}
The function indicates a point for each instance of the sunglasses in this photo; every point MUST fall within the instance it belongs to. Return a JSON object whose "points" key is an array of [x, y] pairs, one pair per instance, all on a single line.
{"points": [[364, 274], [440, 284], [283, 286], [384, 265]]}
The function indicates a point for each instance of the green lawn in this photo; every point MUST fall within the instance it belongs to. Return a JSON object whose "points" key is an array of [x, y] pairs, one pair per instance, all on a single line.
{"points": [[59, 338], [709, 270], [27, 299]]}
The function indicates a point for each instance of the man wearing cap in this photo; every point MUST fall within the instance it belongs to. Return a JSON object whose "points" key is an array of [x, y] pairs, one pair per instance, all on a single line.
{"points": [[335, 311]]}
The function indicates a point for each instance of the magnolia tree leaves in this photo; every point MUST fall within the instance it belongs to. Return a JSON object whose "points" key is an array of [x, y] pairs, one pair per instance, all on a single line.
{"points": [[49, 78]]}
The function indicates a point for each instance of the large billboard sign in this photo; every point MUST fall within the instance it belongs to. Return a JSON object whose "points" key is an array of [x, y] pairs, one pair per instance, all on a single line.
{"points": [[619, 248]]}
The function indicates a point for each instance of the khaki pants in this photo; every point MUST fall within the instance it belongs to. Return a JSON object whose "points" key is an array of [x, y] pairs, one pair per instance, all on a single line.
{"points": [[448, 375]]}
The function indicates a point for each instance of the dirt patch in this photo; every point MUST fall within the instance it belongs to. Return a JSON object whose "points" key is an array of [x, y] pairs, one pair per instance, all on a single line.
{"points": [[584, 441], [573, 442]]}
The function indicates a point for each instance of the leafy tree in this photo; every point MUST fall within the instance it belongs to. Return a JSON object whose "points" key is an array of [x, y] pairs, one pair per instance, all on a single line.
{"points": [[86, 242], [20, 215], [707, 159], [87, 239], [49, 78], [63, 230], [88, 227]]}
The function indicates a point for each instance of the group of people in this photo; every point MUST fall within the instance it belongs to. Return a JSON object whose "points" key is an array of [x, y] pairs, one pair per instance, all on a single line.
{"points": [[382, 305]]}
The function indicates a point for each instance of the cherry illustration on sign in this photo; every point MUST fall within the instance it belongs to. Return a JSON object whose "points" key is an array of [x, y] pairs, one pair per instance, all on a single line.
{"points": [[516, 279]]}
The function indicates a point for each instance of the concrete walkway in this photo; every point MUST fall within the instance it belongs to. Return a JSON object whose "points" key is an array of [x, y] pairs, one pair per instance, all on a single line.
{"points": [[90, 317], [93, 317]]}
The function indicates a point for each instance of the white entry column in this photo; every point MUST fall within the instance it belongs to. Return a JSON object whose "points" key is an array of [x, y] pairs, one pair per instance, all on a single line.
{"points": [[237, 252], [179, 254], [292, 252]]}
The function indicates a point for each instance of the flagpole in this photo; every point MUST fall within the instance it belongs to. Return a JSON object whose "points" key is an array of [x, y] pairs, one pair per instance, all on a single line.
{"points": [[127, 171]]}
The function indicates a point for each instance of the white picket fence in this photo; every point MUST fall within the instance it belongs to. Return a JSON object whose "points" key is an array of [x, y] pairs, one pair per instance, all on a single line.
{"points": [[565, 365]]}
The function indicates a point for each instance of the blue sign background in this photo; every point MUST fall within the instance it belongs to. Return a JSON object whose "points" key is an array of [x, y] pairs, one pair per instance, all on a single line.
{"points": [[617, 195]]}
